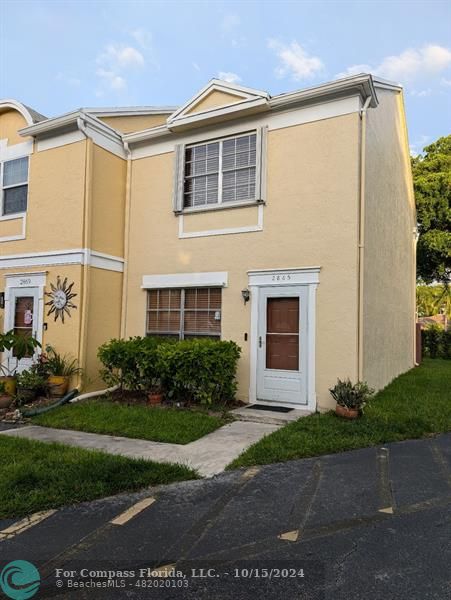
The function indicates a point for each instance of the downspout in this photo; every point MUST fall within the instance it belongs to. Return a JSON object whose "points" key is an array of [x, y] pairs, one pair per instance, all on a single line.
{"points": [[82, 339], [126, 238], [361, 253]]}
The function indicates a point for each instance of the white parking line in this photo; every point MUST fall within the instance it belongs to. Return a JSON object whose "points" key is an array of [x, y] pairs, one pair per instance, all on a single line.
{"points": [[25, 524], [132, 511]]}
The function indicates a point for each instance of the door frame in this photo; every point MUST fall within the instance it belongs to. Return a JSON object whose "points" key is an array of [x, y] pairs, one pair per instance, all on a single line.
{"points": [[27, 282], [309, 277]]}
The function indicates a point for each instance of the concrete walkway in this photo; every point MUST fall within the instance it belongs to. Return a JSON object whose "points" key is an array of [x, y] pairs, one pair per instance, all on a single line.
{"points": [[208, 455]]}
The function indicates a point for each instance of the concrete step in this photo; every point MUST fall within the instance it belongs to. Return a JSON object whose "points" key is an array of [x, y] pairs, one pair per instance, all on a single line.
{"points": [[271, 417]]}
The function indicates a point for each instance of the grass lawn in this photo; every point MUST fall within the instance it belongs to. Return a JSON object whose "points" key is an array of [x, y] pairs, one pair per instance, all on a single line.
{"points": [[37, 476], [158, 424], [414, 405]]}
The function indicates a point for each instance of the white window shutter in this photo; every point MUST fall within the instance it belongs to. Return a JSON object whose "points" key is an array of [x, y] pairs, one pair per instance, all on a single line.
{"points": [[260, 170], [179, 168]]}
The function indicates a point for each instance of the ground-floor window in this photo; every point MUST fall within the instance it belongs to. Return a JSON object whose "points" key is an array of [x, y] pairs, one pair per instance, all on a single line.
{"points": [[184, 313]]}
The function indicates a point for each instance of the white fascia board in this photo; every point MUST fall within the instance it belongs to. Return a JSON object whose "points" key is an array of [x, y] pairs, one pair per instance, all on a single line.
{"points": [[363, 83], [75, 256], [130, 111], [185, 280], [236, 110], [221, 86]]}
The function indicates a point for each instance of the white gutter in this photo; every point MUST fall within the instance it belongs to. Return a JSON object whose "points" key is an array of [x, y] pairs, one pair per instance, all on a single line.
{"points": [[126, 237], [361, 253], [82, 342]]}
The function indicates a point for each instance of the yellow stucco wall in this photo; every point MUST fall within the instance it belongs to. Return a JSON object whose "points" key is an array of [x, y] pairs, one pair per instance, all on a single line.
{"points": [[103, 321], [310, 219], [389, 264], [132, 123], [108, 202], [213, 100], [55, 201], [10, 122]]}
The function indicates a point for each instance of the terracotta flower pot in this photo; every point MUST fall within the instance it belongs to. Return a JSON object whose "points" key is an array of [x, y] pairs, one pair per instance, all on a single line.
{"points": [[10, 384], [347, 413], [58, 385], [5, 400], [154, 398]]}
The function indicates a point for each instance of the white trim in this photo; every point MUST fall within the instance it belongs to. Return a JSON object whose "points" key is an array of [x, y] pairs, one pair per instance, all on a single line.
{"points": [[15, 105], [307, 276], [63, 139], [11, 152], [19, 236], [226, 231], [165, 141], [186, 280], [218, 85], [130, 111], [78, 256]]}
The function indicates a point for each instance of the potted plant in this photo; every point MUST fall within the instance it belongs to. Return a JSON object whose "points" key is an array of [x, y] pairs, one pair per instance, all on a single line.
{"points": [[350, 398], [29, 385], [151, 369], [21, 347], [5, 397], [60, 369]]}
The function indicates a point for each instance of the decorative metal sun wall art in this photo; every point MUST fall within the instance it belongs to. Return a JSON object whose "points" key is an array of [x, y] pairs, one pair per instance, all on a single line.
{"points": [[60, 299]]}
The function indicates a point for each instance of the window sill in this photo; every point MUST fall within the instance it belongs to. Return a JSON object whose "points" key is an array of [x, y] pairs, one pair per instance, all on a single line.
{"points": [[213, 207], [10, 216]]}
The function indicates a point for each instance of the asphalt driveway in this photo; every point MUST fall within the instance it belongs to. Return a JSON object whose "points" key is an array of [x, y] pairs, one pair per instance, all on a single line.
{"points": [[368, 524]]}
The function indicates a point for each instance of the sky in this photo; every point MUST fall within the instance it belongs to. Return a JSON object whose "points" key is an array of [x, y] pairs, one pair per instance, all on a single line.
{"points": [[56, 56]]}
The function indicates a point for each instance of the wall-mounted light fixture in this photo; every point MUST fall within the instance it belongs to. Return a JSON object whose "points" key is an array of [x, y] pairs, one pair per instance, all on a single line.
{"points": [[246, 295], [2, 299]]}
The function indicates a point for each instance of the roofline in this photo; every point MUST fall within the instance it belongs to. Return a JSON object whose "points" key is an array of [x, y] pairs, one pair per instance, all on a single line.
{"points": [[128, 111], [70, 119], [16, 105], [387, 84], [361, 84]]}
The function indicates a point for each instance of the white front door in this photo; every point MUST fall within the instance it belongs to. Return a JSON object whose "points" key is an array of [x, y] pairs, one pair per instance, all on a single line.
{"points": [[282, 344], [22, 316]]}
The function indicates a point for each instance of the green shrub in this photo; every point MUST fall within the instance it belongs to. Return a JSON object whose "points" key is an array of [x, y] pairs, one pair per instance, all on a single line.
{"points": [[197, 370], [436, 342], [200, 370], [352, 396]]}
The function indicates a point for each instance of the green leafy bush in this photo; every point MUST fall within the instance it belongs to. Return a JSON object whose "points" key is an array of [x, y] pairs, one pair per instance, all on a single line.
{"points": [[201, 370], [436, 342], [197, 370]]}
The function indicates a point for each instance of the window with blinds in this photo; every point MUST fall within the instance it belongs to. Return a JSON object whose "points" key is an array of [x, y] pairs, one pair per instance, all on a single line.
{"points": [[184, 313], [220, 172], [14, 180]]}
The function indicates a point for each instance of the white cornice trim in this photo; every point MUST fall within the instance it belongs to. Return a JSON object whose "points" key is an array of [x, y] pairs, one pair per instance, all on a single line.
{"points": [[77, 256], [184, 280], [63, 130], [219, 85], [130, 111], [297, 275], [15, 105]]}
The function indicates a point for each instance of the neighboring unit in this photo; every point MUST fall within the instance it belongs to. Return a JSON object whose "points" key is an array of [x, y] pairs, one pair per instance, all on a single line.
{"points": [[284, 223]]}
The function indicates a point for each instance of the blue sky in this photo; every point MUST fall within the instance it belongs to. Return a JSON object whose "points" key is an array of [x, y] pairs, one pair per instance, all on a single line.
{"points": [[57, 56]]}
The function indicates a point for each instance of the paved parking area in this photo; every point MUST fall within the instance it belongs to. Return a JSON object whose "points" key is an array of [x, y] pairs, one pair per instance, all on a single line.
{"points": [[370, 524]]}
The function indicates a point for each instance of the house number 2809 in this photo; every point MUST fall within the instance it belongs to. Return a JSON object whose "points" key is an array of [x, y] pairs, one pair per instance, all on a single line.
{"points": [[281, 277]]}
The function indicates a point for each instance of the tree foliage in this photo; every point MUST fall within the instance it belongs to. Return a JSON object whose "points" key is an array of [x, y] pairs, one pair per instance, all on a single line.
{"points": [[432, 184]]}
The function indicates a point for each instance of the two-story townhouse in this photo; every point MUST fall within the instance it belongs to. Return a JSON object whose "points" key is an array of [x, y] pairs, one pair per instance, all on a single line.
{"points": [[285, 223]]}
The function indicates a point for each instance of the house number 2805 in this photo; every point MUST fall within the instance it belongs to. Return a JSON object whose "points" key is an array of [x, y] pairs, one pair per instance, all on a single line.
{"points": [[281, 277]]}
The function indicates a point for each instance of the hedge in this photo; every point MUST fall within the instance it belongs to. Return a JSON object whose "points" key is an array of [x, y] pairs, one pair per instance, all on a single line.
{"points": [[197, 370], [436, 342]]}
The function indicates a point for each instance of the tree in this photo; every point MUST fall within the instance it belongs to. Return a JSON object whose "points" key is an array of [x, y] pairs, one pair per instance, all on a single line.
{"points": [[432, 184]]}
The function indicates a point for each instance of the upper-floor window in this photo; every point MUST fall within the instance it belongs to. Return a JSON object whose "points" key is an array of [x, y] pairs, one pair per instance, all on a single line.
{"points": [[222, 171], [14, 186]]}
